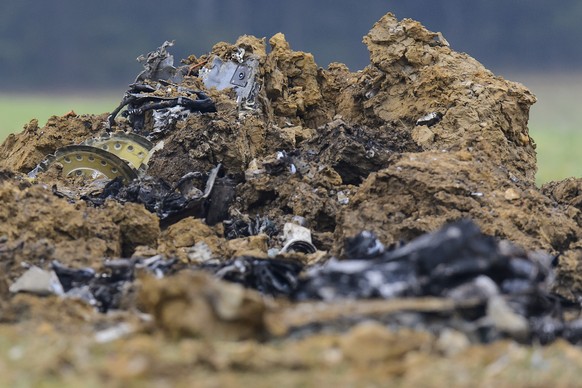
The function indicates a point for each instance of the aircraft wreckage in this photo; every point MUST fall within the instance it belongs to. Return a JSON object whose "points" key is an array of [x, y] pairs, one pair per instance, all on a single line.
{"points": [[249, 194]]}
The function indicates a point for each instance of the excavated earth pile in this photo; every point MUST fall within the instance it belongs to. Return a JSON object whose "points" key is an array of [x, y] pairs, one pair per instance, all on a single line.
{"points": [[299, 224]]}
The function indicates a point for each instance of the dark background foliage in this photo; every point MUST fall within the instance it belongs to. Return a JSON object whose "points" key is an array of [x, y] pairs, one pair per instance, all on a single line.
{"points": [[72, 44]]}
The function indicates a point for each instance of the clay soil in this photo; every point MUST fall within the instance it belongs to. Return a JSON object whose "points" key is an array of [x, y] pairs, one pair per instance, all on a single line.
{"points": [[362, 161]]}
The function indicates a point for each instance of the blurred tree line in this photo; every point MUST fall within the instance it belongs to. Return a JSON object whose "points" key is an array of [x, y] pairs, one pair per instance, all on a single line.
{"points": [[69, 44]]}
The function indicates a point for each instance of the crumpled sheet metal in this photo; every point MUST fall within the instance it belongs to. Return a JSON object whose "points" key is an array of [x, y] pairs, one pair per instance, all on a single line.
{"points": [[237, 75], [159, 65]]}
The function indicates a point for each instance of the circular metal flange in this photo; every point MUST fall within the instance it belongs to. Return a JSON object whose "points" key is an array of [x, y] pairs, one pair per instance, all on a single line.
{"points": [[132, 148], [91, 162]]}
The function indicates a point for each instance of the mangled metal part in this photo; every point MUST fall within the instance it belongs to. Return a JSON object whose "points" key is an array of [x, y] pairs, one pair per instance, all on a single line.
{"points": [[434, 264], [106, 289], [240, 76], [245, 227], [169, 203], [140, 100], [159, 65], [271, 277], [89, 162], [141, 97]]}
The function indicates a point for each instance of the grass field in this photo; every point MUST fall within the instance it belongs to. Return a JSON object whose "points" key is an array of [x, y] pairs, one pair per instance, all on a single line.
{"points": [[555, 120], [18, 109]]}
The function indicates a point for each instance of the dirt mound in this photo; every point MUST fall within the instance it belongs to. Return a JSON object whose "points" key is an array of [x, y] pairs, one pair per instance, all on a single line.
{"points": [[23, 151], [38, 227], [420, 138], [420, 192]]}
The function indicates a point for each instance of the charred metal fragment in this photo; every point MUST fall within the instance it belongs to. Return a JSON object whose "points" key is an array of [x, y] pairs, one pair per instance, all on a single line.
{"points": [[106, 289], [139, 99], [170, 203], [236, 228], [71, 278], [269, 276], [222, 196], [434, 264], [364, 246]]}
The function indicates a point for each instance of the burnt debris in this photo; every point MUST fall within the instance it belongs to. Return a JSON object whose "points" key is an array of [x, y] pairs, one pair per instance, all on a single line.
{"points": [[431, 265], [499, 290], [141, 100], [457, 262], [107, 289], [274, 277], [192, 196]]}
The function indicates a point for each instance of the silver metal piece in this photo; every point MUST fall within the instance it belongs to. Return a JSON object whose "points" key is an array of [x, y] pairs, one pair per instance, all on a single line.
{"points": [[239, 76], [297, 239], [239, 55], [159, 65], [90, 162], [130, 147], [166, 119], [430, 119]]}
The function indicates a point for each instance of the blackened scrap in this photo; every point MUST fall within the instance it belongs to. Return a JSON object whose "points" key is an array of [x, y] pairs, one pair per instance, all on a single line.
{"points": [[139, 99], [107, 293], [435, 263], [156, 195], [357, 279], [171, 203], [457, 262], [70, 278], [105, 289], [246, 227], [364, 246], [269, 276], [223, 194], [124, 269], [159, 65]]}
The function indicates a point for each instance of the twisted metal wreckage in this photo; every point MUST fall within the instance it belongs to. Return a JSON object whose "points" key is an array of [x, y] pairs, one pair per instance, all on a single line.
{"points": [[487, 288]]}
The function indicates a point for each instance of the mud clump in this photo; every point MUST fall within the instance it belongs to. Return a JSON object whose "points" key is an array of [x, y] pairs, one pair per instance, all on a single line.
{"points": [[38, 227], [23, 151], [195, 305], [435, 188], [379, 158]]}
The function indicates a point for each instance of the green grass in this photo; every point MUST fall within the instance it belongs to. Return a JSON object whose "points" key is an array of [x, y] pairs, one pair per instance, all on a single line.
{"points": [[556, 124], [18, 109], [555, 120]]}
